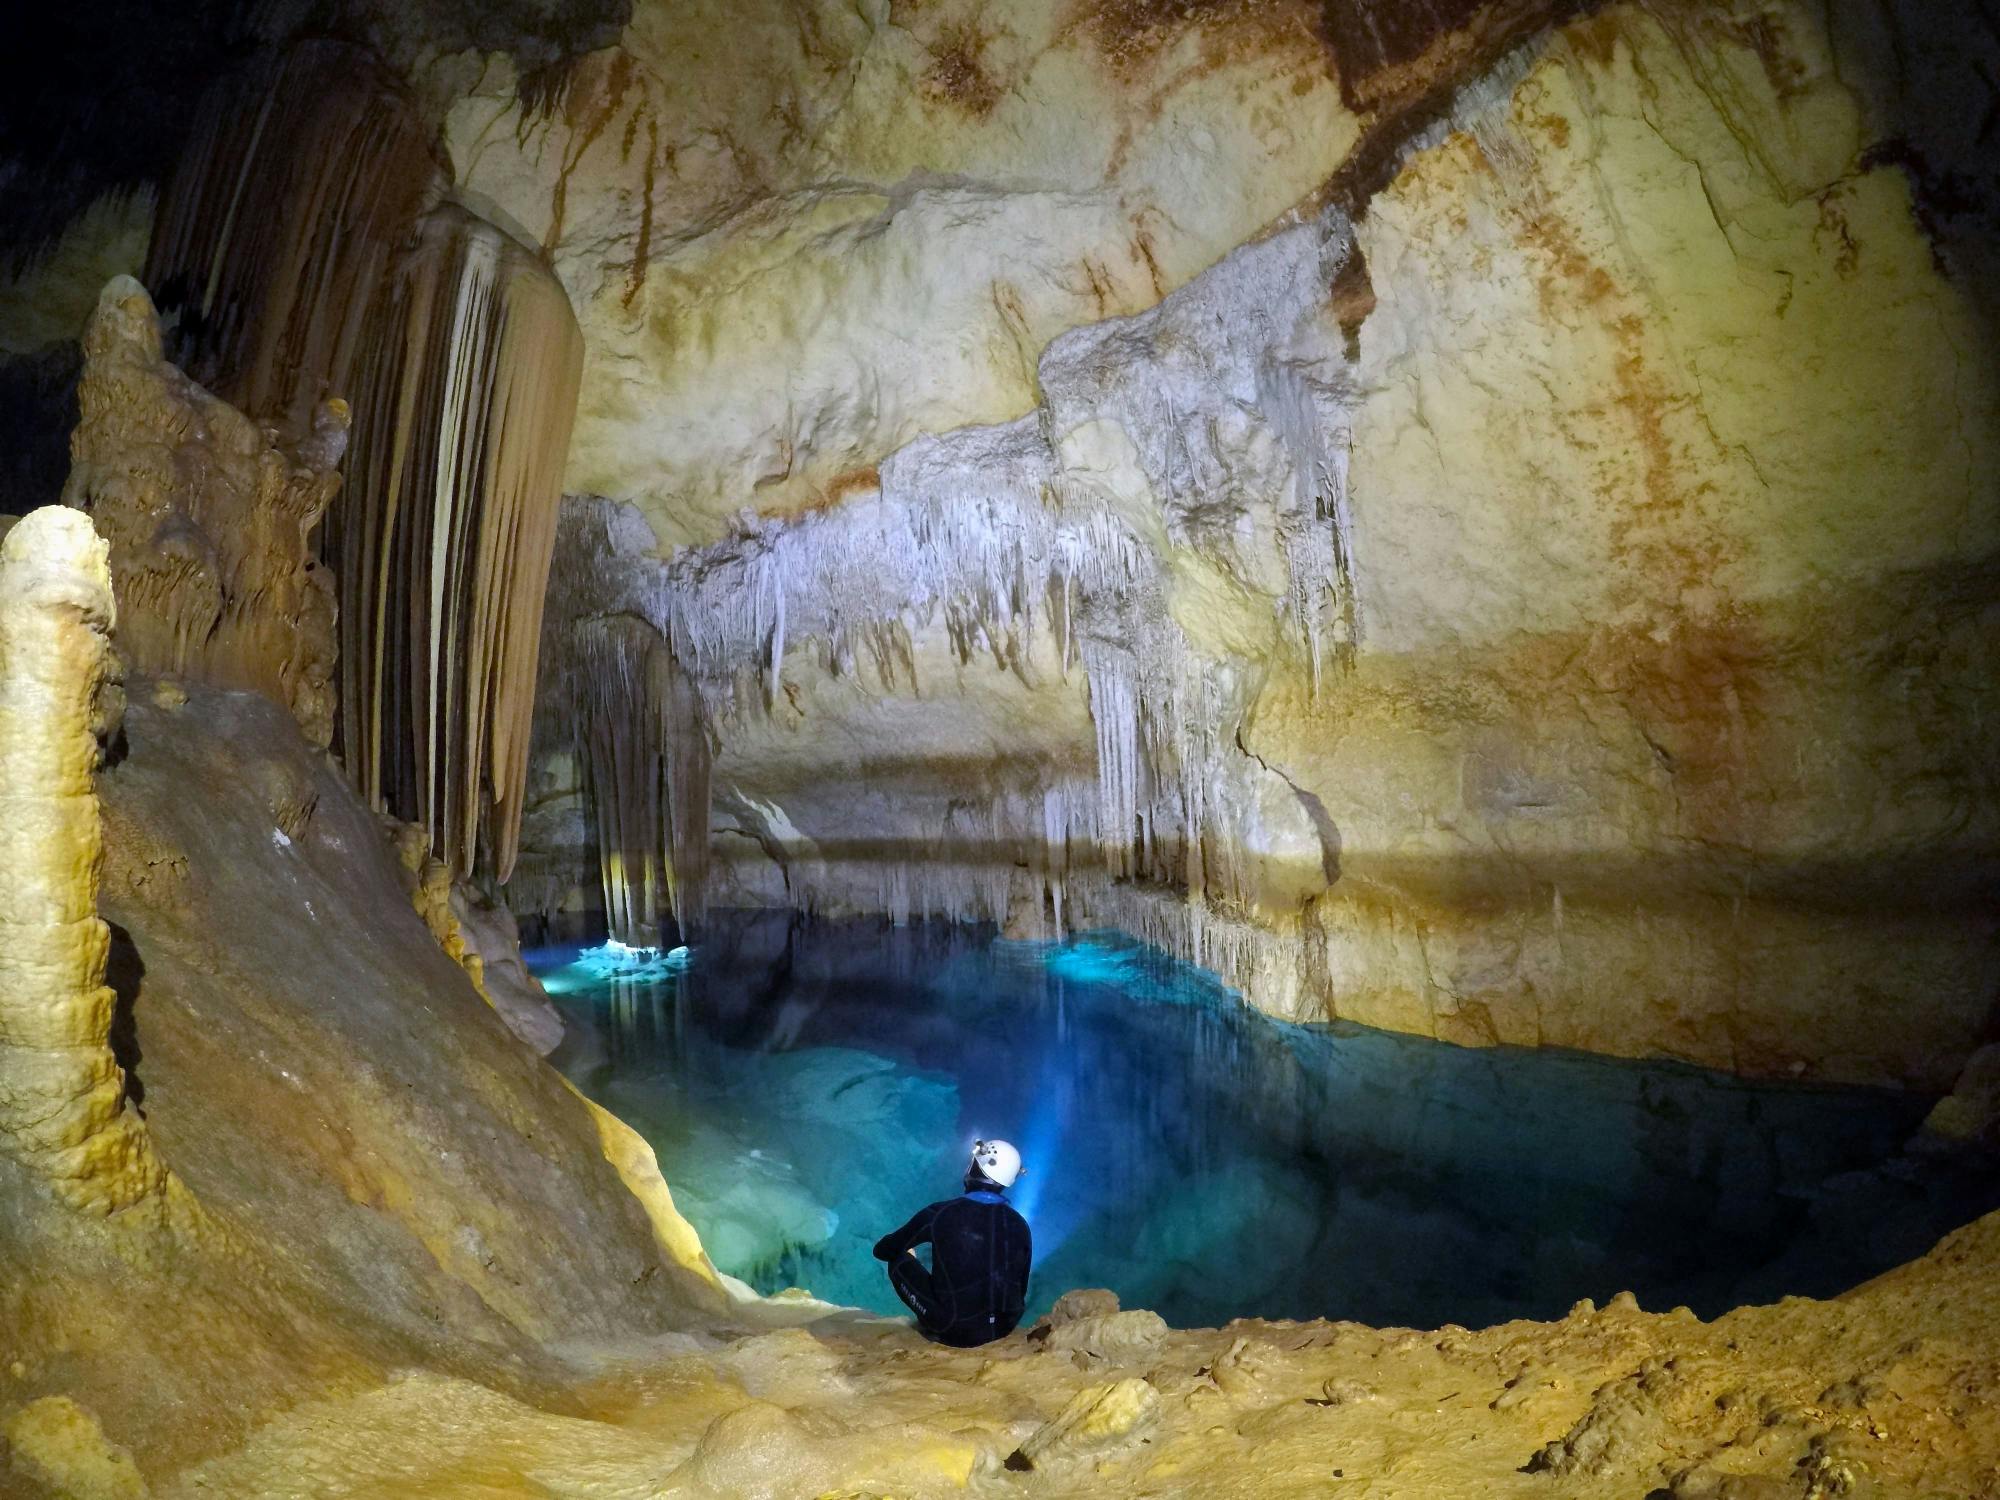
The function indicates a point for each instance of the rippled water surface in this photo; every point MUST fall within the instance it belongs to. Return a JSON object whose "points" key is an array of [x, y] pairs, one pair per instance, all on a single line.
{"points": [[808, 1087]]}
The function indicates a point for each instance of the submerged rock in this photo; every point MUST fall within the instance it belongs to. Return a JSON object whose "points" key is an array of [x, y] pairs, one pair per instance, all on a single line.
{"points": [[1969, 1116]]}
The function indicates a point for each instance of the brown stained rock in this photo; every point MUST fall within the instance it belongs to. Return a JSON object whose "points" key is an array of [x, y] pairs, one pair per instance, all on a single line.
{"points": [[1389, 54], [960, 74], [208, 518], [1132, 34], [1351, 299]]}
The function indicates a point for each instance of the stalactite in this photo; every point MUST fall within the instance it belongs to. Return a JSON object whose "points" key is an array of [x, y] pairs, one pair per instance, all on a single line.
{"points": [[467, 381], [301, 181], [1114, 710], [644, 747], [208, 518], [306, 249], [1221, 426], [1317, 530], [63, 1109]]}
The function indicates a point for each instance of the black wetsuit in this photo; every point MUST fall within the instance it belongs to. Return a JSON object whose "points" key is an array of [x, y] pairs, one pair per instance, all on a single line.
{"points": [[978, 1281]]}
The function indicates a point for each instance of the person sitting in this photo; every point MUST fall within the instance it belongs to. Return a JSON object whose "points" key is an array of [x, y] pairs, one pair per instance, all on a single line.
{"points": [[977, 1284]]}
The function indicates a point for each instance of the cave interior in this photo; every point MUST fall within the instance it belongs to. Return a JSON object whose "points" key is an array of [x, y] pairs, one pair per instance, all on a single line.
{"points": [[1371, 627]]}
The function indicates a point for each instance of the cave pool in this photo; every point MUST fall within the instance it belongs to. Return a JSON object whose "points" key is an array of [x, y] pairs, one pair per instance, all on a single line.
{"points": [[808, 1085]]}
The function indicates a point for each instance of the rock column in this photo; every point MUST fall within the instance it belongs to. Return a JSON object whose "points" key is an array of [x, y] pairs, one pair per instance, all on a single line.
{"points": [[63, 1110]]}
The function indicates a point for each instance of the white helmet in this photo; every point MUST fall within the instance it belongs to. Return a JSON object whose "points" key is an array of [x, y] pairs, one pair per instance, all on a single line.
{"points": [[996, 1161]]}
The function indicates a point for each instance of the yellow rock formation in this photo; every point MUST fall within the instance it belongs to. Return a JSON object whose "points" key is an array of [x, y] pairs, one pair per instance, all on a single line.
{"points": [[208, 517], [63, 1110]]}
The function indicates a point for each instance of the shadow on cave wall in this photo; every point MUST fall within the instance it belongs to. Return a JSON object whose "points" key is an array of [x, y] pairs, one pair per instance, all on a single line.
{"points": [[124, 971], [1931, 72]]}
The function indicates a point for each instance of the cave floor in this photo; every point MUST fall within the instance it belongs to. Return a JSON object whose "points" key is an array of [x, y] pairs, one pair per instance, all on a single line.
{"points": [[1893, 1390], [412, 1273]]}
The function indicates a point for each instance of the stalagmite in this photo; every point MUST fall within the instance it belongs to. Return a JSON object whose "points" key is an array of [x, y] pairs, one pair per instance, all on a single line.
{"points": [[466, 389], [302, 181], [63, 1110], [208, 517]]}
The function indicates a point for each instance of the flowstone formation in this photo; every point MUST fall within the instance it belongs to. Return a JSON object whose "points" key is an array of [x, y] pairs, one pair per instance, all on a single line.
{"points": [[345, 1166], [209, 517], [1534, 591]]}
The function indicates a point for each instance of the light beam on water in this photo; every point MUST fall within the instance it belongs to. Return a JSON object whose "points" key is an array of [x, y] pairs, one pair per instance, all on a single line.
{"points": [[808, 1088]]}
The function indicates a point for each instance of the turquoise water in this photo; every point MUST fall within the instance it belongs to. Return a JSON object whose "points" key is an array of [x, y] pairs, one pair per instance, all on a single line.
{"points": [[809, 1086]]}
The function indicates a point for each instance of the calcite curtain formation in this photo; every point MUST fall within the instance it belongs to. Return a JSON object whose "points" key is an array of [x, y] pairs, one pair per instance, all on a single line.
{"points": [[644, 747], [63, 1109], [469, 376], [305, 250], [299, 186]]}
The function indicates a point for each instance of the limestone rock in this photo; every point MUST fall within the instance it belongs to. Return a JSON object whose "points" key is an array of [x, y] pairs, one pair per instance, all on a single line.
{"points": [[1623, 1424], [59, 1445], [63, 1107], [1079, 1303], [1969, 1116], [488, 931], [1098, 1425], [1119, 1338], [208, 518]]}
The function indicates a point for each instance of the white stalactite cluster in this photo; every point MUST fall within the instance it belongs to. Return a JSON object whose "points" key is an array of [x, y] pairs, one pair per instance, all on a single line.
{"points": [[1213, 427]]}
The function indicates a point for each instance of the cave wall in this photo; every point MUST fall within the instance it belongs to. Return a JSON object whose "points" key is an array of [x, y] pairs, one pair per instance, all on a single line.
{"points": [[1688, 682], [1474, 518], [797, 236], [1542, 596]]}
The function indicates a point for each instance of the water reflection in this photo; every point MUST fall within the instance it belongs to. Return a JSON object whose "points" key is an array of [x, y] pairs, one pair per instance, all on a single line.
{"points": [[808, 1086]]}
